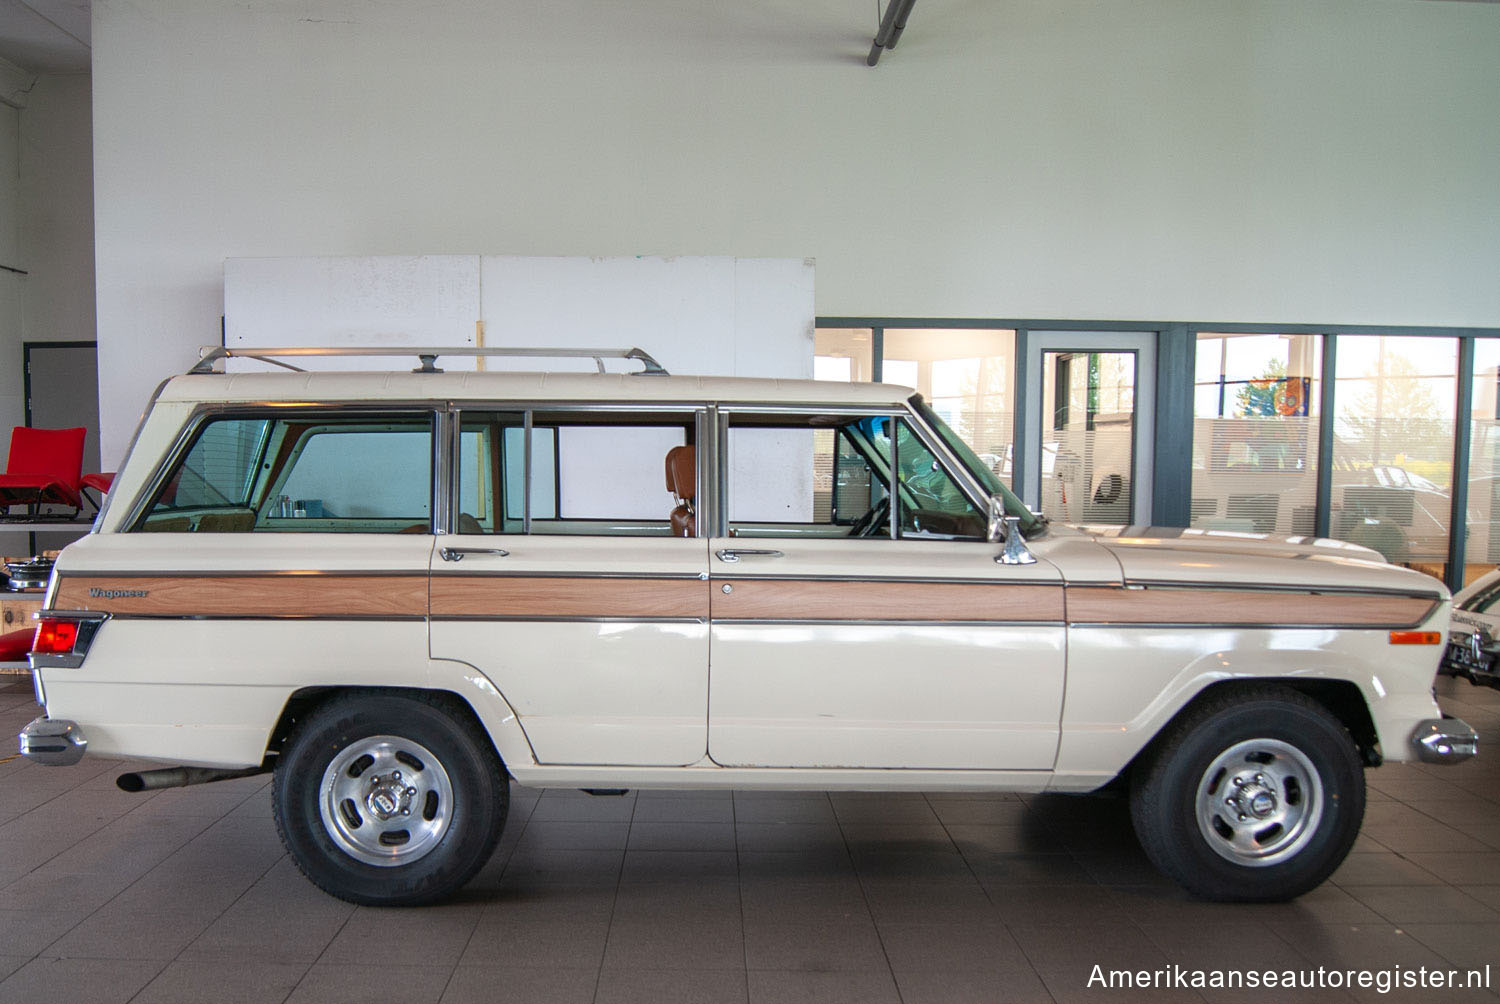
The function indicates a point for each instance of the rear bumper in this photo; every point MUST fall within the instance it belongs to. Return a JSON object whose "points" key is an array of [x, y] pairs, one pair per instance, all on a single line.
{"points": [[54, 742], [1444, 740]]}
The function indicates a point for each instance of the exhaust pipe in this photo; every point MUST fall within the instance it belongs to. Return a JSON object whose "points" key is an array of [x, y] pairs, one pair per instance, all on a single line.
{"points": [[180, 777]]}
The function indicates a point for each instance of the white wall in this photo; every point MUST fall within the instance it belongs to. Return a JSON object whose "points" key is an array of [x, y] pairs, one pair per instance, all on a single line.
{"points": [[46, 230], [57, 209], [12, 285], [1234, 160]]}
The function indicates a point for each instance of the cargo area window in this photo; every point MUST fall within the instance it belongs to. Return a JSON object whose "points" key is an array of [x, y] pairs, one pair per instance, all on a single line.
{"points": [[307, 473]]}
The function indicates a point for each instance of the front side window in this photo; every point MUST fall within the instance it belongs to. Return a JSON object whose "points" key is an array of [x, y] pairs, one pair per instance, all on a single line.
{"points": [[305, 473], [836, 475]]}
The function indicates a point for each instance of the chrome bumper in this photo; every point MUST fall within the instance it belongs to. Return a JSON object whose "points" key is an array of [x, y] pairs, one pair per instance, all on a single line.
{"points": [[56, 743], [1444, 740]]}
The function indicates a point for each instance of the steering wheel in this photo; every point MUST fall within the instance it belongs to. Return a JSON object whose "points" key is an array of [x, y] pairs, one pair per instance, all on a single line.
{"points": [[870, 523]]}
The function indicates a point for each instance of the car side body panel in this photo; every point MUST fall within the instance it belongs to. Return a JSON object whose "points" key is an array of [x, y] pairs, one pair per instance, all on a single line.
{"points": [[230, 626]]}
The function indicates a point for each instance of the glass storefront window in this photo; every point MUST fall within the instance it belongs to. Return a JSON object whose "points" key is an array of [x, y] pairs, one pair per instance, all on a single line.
{"points": [[968, 376], [1255, 432], [843, 354], [1482, 550], [1393, 446]]}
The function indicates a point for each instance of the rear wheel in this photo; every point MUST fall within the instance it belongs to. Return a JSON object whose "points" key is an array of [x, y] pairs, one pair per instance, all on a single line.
{"points": [[390, 800], [1255, 795]]}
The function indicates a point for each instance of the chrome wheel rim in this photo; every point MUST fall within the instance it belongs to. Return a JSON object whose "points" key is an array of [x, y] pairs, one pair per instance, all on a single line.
{"points": [[1259, 802], [386, 800]]}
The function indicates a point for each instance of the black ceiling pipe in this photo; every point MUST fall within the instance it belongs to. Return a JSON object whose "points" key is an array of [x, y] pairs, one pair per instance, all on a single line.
{"points": [[891, 27], [900, 24]]}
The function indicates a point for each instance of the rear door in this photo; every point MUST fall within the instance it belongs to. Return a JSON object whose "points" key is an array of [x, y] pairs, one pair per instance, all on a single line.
{"points": [[565, 586], [860, 619]]}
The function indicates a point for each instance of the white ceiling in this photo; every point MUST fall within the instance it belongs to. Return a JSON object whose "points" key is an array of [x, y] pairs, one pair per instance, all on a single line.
{"points": [[52, 36], [45, 36]]}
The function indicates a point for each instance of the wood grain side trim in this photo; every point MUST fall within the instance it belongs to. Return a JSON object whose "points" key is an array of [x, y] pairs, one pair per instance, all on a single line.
{"points": [[1104, 605], [514, 597], [322, 595], [784, 599]]}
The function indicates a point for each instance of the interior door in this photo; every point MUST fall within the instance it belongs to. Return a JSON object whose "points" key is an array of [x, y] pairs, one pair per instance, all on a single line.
{"points": [[1089, 426], [62, 391], [850, 632]]}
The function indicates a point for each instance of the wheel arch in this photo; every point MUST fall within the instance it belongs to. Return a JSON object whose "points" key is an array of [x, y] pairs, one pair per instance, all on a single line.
{"points": [[1340, 698], [305, 700]]}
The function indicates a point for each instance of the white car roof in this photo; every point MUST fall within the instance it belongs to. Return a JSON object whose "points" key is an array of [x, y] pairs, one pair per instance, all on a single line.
{"points": [[512, 386]]}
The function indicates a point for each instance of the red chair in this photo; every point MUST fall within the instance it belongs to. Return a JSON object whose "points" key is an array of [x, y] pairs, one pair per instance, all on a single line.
{"points": [[45, 466], [14, 645], [100, 483]]}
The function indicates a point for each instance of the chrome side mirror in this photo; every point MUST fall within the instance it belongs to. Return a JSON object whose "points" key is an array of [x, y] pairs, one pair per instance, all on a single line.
{"points": [[1015, 551], [1008, 529]]}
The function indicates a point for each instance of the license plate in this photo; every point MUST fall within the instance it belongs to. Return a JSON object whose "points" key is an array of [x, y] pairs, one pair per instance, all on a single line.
{"points": [[1460, 658]]}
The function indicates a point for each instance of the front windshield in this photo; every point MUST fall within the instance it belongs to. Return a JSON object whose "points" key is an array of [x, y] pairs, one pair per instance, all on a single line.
{"points": [[1030, 522]]}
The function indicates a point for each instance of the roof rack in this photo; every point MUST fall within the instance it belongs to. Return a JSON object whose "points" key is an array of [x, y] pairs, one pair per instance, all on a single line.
{"points": [[427, 355]]}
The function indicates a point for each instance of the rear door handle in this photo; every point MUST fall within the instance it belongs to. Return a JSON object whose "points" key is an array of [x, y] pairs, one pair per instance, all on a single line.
{"points": [[459, 553], [733, 554]]}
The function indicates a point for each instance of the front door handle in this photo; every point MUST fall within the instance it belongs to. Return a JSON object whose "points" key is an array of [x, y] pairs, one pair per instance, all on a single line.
{"points": [[458, 553], [733, 554]]}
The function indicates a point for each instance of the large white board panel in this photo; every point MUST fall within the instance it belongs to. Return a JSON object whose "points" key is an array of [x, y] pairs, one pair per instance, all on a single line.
{"points": [[709, 315], [386, 300], [701, 315]]}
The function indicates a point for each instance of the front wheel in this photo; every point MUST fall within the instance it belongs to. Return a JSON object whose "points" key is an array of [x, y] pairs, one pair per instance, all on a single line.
{"points": [[1255, 795], [389, 800]]}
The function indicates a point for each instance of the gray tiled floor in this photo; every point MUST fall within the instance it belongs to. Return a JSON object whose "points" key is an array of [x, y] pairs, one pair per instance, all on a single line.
{"points": [[186, 896]]}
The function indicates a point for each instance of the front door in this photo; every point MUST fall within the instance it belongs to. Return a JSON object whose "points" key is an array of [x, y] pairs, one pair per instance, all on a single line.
{"points": [[859, 618], [1089, 424]]}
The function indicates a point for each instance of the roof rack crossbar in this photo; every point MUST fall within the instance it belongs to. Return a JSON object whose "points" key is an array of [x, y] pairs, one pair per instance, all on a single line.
{"points": [[426, 355]]}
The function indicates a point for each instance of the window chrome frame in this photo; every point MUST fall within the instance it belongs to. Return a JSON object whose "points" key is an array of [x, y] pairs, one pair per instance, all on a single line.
{"points": [[961, 475], [699, 411], [202, 414]]}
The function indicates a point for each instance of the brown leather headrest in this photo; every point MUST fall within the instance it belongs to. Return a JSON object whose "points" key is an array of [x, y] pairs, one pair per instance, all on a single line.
{"points": [[681, 471]]}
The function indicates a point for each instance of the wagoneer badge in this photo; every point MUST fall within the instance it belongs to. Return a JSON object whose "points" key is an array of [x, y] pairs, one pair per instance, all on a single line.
{"points": [[115, 594]]}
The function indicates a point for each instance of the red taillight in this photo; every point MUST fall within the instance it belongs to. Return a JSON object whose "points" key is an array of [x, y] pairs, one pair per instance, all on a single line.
{"points": [[55, 637], [64, 637]]}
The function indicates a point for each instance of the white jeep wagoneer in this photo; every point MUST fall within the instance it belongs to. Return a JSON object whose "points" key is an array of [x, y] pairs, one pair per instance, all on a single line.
{"points": [[400, 590]]}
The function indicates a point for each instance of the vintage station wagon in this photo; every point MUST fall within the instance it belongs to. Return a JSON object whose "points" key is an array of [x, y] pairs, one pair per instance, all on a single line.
{"points": [[400, 590]]}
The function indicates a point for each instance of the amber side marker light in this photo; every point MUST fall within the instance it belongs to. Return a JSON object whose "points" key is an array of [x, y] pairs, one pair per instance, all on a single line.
{"points": [[1416, 637]]}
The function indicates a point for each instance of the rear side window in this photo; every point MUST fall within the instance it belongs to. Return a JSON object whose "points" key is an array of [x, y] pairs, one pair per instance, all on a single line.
{"points": [[305, 473], [588, 473]]}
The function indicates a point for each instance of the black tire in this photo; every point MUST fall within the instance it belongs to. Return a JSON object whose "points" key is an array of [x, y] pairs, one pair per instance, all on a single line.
{"points": [[329, 791], [1281, 831]]}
